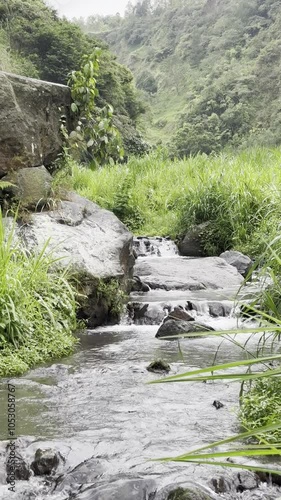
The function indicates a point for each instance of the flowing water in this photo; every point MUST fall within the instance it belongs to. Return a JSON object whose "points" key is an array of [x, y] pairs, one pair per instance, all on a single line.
{"points": [[96, 407]]}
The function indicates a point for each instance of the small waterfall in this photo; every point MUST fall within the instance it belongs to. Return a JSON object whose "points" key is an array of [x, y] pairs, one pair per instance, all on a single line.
{"points": [[155, 247]]}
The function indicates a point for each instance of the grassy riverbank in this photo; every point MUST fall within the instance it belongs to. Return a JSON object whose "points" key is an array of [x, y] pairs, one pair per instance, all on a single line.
{"points": [[239, 194], [37, 308]]}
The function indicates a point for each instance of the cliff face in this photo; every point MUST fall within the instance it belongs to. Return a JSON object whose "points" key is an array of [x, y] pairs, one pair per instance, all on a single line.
{"points": [[30, 119]]}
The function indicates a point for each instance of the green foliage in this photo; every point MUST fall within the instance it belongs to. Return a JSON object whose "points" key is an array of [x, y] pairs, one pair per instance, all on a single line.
{"points": [[53, 47], [111, 294], [95, 138], [37, 307], [261, 406], [216, 64], [238, 194]]}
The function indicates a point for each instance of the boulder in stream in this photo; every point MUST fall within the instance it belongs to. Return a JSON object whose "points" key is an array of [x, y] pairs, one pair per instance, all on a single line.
{"points": [[182, 273], [89, 239], [45, 462], [242, 262], [192, 243], [173, 327]]}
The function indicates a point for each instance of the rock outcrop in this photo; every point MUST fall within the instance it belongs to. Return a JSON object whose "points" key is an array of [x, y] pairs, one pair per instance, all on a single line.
{"points": [[182, 273], [30, 120], [89, 239]]}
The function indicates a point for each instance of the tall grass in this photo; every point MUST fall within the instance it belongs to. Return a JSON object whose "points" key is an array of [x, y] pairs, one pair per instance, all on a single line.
{"points": [[239, 195], [37, 306]]}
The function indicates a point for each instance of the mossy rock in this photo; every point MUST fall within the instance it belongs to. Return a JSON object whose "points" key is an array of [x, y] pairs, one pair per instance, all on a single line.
{"points": [[31, 186]]}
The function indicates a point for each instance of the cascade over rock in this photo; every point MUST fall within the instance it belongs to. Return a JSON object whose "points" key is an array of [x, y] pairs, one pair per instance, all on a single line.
{"points": [[30, 116]]}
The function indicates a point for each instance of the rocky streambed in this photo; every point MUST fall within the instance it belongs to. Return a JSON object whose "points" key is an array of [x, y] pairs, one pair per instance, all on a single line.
{"points": [[102, 423]]}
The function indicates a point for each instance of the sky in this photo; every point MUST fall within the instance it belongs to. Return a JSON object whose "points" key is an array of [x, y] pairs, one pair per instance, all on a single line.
{"points": [[85, 8]]}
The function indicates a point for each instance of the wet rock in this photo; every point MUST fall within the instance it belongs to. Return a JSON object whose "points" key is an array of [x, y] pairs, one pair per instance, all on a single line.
{"points": [[31, 186], [134, 489], [269, 478], [222, 484], [217, 404], [138, 285], [18, 468], [178, 327], [182, 273], [247, 480], [182, 492], [159, 366], [45, 462], [85, 473], [146, 314], [192, 244], [238, 260], [178, 313], [89, 239], [31, 136], [219, 309]]}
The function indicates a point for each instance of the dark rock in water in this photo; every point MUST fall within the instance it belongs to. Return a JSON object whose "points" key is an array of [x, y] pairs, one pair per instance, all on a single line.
{"points": [[182, 492], [222, 484], [45, 462], [269, 478], [18, 468], [178, 327], [146, 314], [238, 260], [134, 489], [217, 404], [191, 245], [179, 313], [159, 366], [138, 285], [219, 309], [247, 480], [244, 480]]}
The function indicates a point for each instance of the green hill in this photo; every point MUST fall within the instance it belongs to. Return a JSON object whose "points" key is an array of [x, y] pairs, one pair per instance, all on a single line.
{"points": [[209, 69]]}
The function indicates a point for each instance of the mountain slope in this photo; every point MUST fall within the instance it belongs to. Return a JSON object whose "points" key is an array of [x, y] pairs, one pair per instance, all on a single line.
{"points": [[209, 69]]}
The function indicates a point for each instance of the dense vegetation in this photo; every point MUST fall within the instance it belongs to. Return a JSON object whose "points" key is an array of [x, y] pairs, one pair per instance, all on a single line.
{"points": [[35, 42], [37, 307], [238, 194], [210, 69]]}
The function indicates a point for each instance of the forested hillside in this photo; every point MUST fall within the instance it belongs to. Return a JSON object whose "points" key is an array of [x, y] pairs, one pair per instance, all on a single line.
{"points": [[210, 69], [35, 42]]}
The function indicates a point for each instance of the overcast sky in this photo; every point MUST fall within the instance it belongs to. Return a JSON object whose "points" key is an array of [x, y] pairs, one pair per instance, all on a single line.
{"points": [[85, 8]]}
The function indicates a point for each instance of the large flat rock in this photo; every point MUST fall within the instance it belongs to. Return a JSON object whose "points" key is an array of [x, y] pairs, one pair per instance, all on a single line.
{"points": [[30, 115], [183, 273]]}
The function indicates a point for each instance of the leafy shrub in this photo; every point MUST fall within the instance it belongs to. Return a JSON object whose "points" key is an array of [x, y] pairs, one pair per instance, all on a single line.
{"points": [[37, 307]]}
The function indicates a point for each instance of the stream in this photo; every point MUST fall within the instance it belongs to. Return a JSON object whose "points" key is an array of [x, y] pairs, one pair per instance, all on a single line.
{"points": [[97, 410]]}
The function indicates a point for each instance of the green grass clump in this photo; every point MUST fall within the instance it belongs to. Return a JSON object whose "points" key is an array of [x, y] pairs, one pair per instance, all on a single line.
{"points": [[239, 195], [37, 307], [261, 406]]}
